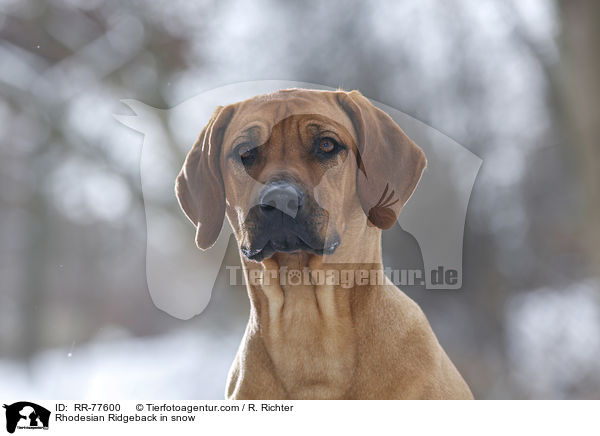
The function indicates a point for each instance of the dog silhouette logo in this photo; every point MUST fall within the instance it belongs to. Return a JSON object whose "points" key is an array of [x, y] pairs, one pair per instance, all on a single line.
{"points": [[26, 415], [435, 215]]}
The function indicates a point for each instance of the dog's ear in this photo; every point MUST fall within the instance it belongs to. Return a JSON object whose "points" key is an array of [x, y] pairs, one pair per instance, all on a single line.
{"points": [[199, 185], [389, 163]]}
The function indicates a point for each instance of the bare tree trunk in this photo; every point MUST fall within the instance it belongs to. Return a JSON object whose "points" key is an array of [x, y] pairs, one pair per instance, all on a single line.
{"points": [[581, 74], [33, 293]]}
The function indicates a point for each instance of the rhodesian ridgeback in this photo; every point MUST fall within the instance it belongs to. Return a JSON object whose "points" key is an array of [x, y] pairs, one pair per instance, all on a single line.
{"points": [[308, 180]]}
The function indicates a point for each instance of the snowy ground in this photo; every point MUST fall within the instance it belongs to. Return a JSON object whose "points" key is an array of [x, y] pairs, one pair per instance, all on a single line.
{"points": [[181, 365], [554, 341]]}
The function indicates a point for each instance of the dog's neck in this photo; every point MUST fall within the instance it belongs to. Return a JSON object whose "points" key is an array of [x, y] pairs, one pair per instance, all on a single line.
{"points": [[301, 306], [292, 278]]}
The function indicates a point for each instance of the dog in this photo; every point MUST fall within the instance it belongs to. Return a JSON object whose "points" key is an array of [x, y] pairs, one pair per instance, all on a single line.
{"points": [[308, 180]]}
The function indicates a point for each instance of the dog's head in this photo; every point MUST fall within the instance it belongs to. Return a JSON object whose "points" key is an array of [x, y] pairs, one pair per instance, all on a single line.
{"points": [[293, 168]]}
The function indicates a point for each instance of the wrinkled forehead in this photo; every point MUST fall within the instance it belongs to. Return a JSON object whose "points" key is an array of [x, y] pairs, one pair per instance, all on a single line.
{"points": [[260, 114]]}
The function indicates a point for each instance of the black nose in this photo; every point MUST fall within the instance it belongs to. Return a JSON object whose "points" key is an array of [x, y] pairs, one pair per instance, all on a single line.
{"points": [[283, 196]]}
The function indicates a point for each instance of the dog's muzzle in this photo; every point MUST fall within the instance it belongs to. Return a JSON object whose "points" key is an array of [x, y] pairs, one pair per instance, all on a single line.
{"points": [[285, 219], [281, 197]]}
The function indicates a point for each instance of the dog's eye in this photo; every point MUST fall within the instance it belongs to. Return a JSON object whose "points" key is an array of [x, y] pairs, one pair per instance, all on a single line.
{"points": [[246, 153], [327, 145]]}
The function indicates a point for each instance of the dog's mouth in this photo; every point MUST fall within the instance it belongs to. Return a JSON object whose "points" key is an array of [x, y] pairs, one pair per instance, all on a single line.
{"points": [[288, 244], [265, 234]]}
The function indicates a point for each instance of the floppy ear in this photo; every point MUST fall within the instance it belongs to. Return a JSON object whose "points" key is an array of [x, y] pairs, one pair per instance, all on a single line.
{"points": [[390, 164], [199, 185]]}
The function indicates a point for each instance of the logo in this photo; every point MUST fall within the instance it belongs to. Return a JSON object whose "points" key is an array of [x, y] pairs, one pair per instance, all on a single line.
{"points": [[26, 415], [435, 215]]}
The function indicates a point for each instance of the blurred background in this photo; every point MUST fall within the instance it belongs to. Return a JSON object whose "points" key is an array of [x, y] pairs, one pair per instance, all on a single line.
{"points": [[515, 82]]}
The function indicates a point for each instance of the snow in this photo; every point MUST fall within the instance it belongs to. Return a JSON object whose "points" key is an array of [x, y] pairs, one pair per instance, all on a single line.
{"points": [[180, 365], [554, 340]]}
